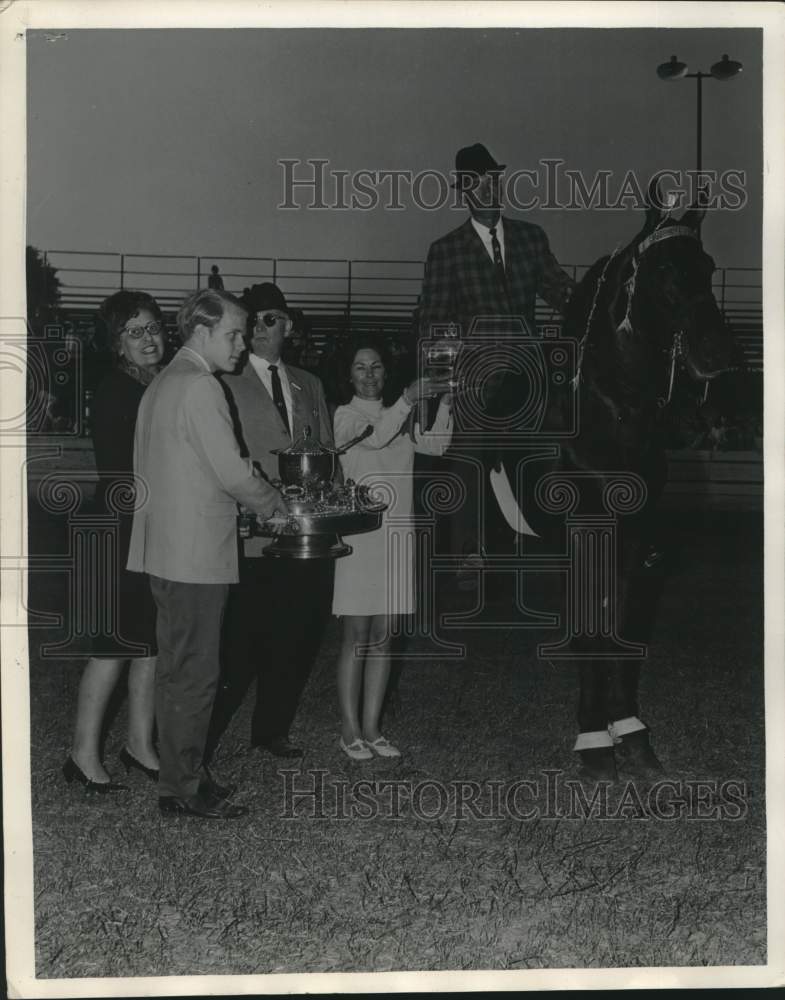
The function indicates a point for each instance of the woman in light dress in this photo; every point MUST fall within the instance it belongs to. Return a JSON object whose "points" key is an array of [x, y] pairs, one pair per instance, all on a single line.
{"points": [[376, 582]]}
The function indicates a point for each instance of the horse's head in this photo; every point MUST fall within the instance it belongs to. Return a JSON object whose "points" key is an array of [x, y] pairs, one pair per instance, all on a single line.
{"points": [[670, 294]]}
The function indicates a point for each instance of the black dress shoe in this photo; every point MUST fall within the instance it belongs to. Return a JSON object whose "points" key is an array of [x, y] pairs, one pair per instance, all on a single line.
{"points": [[200, 806], [598, 764], [129, 761], [72, 771], [636, 756], [280, 747], [209, 787]]}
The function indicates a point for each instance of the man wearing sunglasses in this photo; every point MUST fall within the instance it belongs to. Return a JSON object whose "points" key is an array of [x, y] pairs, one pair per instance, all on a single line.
{"points": [[264, 637]]}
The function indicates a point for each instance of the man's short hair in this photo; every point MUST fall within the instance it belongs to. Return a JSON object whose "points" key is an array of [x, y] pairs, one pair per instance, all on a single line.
{"points": [[204, 308]]}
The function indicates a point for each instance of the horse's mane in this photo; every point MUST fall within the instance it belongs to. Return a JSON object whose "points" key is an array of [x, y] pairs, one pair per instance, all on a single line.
{"points": [[596, 298], [582, 299], [611, 270]]}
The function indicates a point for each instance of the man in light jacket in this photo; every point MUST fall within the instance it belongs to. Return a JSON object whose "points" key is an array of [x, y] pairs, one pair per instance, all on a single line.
{"points": [[190, 476]]}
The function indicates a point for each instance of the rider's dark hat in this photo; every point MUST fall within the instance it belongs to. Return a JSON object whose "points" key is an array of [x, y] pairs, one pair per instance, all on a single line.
{"points": [[472, 162]]}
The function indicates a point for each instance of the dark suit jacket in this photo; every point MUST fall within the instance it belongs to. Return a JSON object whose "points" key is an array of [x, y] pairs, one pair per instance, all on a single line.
{"points": [[461, 282], [260, 429]]}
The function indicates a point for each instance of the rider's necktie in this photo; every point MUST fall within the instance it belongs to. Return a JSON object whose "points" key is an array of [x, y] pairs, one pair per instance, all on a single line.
{"points": [[278, 399], [498, 263]]}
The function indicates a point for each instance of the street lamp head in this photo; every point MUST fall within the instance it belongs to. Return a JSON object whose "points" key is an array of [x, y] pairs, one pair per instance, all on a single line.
{"points": [[672, 70], [725, 69]]}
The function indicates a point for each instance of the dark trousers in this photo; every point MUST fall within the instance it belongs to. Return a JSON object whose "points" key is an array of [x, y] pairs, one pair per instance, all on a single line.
{"points": [[186, 677], [467, 527], [274, 624], [476, 524]]}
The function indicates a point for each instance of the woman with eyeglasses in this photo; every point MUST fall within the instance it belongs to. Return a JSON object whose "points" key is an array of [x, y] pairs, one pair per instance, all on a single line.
{"points": [[375, 583], [135, 330]]}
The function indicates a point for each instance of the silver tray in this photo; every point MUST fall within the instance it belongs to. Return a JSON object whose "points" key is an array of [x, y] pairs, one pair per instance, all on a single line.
{"points": [[315, 534], [350, 522]]}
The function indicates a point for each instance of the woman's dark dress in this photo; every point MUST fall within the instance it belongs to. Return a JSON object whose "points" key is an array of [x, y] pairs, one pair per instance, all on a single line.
{"points": [[115, 407]]}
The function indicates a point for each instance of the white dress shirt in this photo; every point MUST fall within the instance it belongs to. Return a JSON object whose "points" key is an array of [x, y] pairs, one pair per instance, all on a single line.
{"points": [[262, 368], [484, 233]]}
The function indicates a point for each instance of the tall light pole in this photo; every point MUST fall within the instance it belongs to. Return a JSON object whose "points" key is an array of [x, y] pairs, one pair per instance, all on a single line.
{"points": [[725, 69]]}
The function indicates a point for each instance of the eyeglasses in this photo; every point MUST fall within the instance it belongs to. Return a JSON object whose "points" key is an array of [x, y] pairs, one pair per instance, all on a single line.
{"points": [[137, 332], [270, 319]]}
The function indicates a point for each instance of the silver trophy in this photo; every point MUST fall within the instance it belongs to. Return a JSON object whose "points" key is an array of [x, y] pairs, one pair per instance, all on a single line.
{"points": [[446, 359]]}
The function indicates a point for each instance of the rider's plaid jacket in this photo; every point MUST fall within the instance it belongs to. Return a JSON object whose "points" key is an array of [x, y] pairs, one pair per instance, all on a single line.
{"points": [[461, 282]]}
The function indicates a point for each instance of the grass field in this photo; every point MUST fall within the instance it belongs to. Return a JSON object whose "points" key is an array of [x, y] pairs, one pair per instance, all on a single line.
{"points": [[119, 891]]}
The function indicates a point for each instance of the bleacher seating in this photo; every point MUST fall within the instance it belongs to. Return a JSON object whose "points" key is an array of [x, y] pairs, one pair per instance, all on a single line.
{"points": [[336, 296]]}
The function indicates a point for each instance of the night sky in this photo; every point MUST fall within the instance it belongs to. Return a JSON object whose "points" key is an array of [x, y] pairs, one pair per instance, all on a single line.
{"points": [[169, 141]]}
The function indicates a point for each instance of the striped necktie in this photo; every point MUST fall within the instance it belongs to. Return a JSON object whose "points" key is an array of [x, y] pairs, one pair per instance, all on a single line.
{"points": [[498, 263]]}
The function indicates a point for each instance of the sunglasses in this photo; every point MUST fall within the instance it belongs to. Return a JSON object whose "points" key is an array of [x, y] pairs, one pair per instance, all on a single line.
{"points": [[137, 332], [270, 319]]}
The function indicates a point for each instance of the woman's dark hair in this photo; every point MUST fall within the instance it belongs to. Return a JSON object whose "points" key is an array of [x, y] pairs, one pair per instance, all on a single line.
{"points": [[118, 309], [370, 342], [346, 356]]}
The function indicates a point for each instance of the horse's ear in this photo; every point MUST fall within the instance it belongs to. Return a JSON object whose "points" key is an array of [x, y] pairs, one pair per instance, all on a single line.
{"points": [[655, 207], [693, 217], [654, 212], [653, 217]]}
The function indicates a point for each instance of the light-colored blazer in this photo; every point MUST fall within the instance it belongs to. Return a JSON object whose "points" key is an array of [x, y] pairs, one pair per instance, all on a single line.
{"points": [[190, 477], [260, 429]]}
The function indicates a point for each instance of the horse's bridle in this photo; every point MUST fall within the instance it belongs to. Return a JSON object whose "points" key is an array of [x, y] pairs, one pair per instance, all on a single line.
{"points": [[678, 355], [677, 352], [665, 234]]}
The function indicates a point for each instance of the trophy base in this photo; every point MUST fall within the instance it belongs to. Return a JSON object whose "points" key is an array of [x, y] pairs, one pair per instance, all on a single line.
{"points": [[324, 546]]}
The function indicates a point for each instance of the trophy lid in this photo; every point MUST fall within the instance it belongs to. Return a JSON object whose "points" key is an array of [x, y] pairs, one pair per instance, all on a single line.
{"points": [[304, 445]]}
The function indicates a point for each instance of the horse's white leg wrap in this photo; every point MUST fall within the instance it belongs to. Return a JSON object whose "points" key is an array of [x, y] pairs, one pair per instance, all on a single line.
{"points": [[594, 740], [621, 727]]}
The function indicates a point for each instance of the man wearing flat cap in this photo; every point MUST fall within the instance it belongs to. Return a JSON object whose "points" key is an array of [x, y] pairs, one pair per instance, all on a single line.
{"points": [[492, 266], [265, 633]]}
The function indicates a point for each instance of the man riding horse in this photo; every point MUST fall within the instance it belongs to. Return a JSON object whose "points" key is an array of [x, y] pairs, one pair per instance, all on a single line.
{"points": [[491, 266]]}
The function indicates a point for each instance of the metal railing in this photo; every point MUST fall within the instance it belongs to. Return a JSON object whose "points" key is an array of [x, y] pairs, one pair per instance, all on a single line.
{"points": [[336, 293]]}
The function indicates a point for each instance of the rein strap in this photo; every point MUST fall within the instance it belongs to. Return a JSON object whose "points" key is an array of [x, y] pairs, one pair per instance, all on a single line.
{"points": [[677, 349]]}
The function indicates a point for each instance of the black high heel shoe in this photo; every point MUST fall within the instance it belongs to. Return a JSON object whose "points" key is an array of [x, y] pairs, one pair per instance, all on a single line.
{"points": [[129, 761], [71, 771]]}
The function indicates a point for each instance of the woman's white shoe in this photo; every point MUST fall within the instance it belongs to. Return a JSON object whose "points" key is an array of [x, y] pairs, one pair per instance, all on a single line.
{"points": [[356, 750], [383, 748]]}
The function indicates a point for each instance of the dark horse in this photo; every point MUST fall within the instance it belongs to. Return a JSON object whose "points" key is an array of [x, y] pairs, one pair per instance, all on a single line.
{"points": [[638, 316]]}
